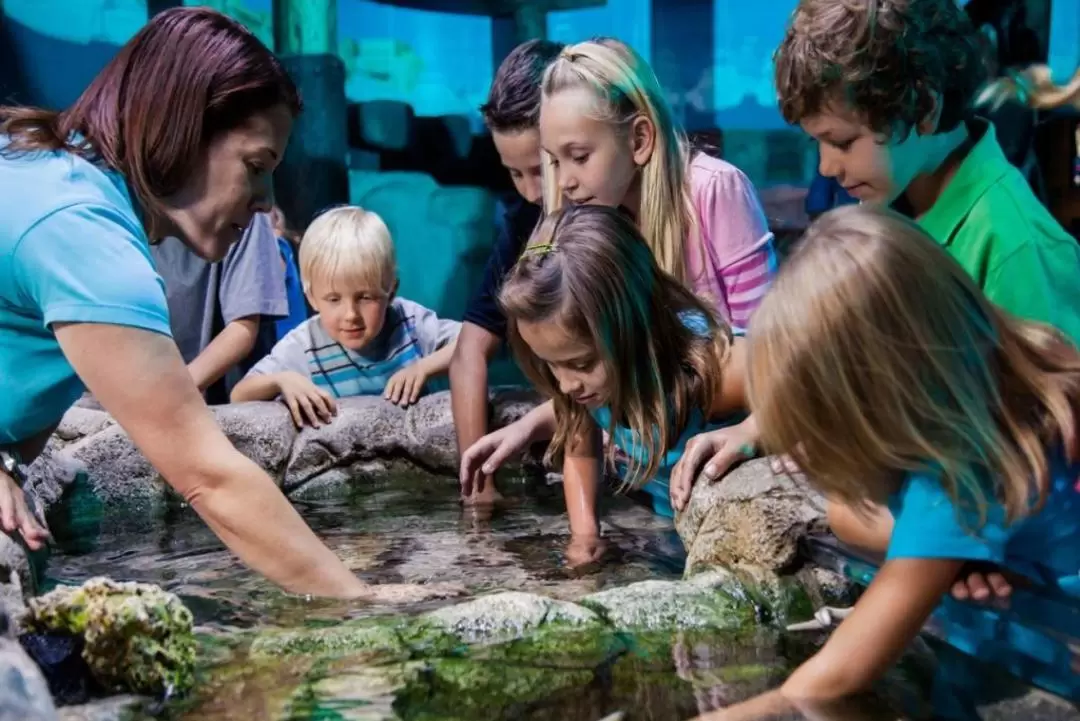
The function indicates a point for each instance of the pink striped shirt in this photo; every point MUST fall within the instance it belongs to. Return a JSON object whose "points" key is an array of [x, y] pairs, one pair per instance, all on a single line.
{"points": [[739, 261]]}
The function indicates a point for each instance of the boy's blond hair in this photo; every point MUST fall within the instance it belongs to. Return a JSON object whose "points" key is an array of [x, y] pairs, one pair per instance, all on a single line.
{"points": [[349, 244], [875, 354], [890, 61], [624, 87]]}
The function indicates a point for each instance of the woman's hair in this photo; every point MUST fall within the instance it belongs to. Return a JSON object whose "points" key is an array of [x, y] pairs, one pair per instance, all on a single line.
{"points": [[625, 87], [875, 354], [890, 61], [351, 244], [587, 269], [187, 76]]}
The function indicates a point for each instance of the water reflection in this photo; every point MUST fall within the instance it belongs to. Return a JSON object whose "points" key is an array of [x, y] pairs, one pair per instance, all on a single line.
{"points": [[408, 529]]}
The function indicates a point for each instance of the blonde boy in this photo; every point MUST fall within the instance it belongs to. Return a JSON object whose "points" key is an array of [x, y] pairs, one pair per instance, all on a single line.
{"points": [[364, 340]]}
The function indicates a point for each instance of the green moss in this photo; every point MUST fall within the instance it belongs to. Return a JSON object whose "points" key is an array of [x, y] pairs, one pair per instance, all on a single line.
{"points": [[136, 637], [379, 639], [467, 689]]}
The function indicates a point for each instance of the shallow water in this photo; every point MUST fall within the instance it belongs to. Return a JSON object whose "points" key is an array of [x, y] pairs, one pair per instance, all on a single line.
{"points": [[412, 529], [406, 529]]}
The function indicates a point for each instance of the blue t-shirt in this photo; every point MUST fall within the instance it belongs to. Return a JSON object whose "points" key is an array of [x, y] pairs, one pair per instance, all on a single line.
{"points": [[1044, 547], [72, 250], [294, 292], [630, 443]]}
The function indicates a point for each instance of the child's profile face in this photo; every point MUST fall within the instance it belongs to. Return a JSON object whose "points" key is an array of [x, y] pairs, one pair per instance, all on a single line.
{"points": [[576, 365], [519, 152], [869, 166], [594, 163], [351, 313]]}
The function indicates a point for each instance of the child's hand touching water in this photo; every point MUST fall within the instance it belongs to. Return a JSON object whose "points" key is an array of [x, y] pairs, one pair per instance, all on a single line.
{"points": [[712, 454]]}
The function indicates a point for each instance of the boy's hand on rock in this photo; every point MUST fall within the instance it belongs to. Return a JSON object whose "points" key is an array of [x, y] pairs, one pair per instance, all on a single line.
{"points": [[405, 386], [15, 514], [309, 404]]}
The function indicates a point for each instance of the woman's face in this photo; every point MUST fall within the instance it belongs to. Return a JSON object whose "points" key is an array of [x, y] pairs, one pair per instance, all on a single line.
{"points": [[231, 184]]}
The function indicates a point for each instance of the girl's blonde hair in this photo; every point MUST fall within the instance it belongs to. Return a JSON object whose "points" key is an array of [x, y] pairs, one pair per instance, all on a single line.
{"points": [[625, 87], [588, 270], [351, 245], [875, 354]]}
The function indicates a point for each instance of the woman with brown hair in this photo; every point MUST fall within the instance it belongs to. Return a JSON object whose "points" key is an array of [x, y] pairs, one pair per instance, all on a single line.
{"points": [[178, 135]]}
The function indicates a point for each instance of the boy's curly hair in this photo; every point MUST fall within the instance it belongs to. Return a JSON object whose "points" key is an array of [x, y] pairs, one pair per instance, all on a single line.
{"points": [[885, 59]]}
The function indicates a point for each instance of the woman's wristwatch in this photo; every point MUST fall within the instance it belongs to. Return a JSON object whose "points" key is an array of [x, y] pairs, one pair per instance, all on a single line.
{"points": [[9, 464]]}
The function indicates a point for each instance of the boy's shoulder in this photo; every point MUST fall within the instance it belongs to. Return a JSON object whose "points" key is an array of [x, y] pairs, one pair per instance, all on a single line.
{"points": [[988, 211]]}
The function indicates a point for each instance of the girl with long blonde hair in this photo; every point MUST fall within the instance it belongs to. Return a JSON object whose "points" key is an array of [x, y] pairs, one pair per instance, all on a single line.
{"points": [[878, 364], [610, 139], [618, 345]]}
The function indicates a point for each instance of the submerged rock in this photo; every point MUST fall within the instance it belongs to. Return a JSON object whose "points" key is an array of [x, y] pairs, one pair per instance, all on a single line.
{"points": [[136, 637]]}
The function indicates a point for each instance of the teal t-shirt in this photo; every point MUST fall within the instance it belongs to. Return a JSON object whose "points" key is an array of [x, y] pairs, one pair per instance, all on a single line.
{"points": [[626, 440], [72, 250], [1044, 547]]}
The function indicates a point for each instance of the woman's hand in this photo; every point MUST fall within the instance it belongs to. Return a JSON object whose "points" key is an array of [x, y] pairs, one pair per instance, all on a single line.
{"points": [[717, 451], [15, 514]]}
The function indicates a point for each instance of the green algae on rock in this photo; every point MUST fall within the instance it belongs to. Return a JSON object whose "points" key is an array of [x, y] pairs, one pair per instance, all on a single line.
{"points": [[137, 637]]}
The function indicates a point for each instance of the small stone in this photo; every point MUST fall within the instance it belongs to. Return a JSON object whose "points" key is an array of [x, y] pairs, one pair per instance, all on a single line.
{"points": [[508, 615]]}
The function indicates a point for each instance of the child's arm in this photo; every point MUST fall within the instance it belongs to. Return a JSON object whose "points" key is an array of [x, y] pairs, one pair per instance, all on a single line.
{"points": [[227, 349], [306, 402], [256, 387], [581, 476], [869, 641]]}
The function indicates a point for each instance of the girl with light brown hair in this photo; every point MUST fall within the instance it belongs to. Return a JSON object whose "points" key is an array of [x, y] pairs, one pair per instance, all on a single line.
{"points": [[618, 345], [881, 368]]}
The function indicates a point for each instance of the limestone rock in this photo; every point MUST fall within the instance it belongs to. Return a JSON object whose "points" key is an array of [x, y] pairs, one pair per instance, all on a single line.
{"points": [[508, 615], [24, 694], [15, 578], [749, 517], [137, 637], [368, 433], [705, 601]]}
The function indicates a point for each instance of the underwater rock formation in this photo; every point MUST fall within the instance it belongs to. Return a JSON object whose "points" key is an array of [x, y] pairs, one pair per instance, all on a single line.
{"points": [[136, 637]]}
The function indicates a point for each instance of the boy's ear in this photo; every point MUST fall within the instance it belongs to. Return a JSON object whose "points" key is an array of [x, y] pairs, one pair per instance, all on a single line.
{"points": [[929, 123], [642, 139]]}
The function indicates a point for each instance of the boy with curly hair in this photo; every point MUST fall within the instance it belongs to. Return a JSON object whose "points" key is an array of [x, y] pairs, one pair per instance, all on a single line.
{"points": [[886, 88]]}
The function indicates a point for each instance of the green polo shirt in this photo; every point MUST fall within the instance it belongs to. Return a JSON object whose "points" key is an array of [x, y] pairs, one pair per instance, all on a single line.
{"points": [[988, 219]]}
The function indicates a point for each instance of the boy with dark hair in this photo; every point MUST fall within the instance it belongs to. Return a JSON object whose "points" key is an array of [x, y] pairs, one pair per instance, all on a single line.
{"points": [[886, 89], [512, 113]]}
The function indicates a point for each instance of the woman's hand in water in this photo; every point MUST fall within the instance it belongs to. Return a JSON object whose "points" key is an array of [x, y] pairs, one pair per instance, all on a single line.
{"points": [[404, 593], [717, 451], [15, 514]]}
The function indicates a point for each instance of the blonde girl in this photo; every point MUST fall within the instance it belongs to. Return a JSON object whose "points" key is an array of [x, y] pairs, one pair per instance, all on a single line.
{"points": [[879, 365], [610, 139], [618, 345]]}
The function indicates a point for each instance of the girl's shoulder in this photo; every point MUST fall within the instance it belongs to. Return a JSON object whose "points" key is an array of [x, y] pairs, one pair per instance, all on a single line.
{"points": [[704, 168]]}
